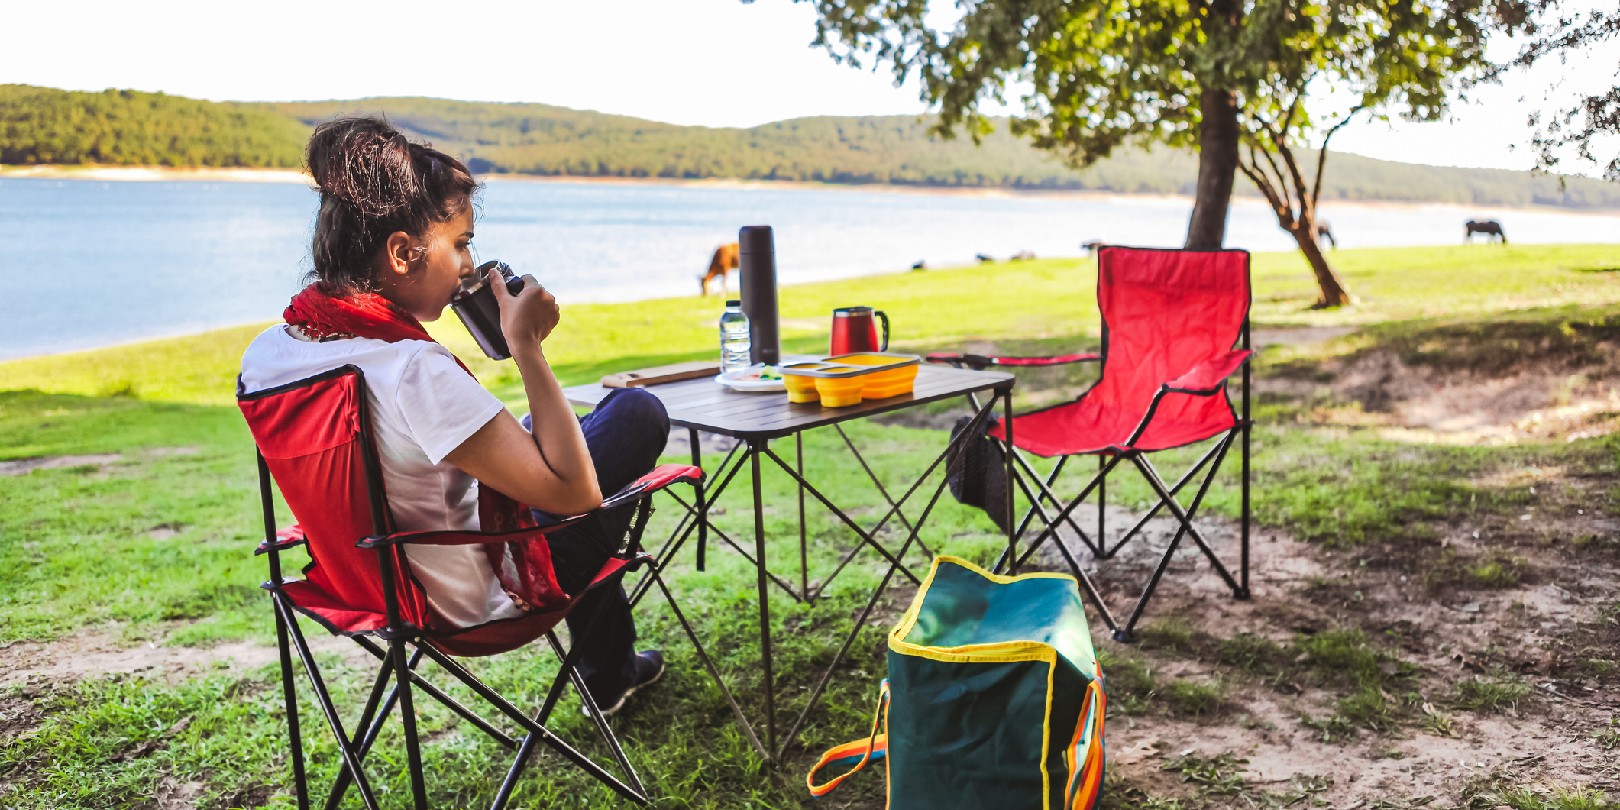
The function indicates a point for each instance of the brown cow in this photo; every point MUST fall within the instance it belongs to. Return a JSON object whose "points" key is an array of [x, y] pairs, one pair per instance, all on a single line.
{"points": [[724, 261]]}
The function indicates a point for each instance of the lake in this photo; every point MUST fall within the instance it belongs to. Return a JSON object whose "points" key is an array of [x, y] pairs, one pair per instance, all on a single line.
{"points": [[89, 263]]}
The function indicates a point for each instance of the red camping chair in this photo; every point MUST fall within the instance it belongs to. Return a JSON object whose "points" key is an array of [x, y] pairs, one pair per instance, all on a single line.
{"points": [[1175, 327], [314, 440]]}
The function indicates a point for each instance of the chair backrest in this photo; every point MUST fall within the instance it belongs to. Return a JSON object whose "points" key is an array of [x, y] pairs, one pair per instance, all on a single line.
{"points": [[1163, 312], [315, 437]]}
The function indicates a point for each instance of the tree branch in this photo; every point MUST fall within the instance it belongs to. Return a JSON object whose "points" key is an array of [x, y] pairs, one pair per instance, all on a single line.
{"points": [[1321, 156]]}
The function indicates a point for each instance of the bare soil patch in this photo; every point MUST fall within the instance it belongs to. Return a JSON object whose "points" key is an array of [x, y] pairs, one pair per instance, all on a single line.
{"points": [[1497, 635], [100, 461], [29, 666]]}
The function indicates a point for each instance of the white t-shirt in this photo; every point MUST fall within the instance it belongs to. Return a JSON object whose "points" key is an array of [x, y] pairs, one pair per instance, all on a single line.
{"points": [[423, 405]]}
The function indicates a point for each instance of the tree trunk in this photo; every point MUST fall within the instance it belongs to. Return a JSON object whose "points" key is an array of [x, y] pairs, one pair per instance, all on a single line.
{"points": [[1333, 292], [1217, 168]]}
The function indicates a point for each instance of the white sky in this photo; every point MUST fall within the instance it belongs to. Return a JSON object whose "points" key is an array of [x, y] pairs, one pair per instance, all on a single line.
{"points": [[702, 62]]}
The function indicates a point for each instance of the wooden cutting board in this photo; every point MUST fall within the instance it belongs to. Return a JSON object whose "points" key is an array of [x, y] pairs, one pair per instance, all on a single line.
{"points": [[673, 372]]}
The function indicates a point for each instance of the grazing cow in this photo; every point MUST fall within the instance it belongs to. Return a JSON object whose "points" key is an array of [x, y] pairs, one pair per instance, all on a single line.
{"points": [[725, 260], [919, 265], [983, 259], [1093, 246], [1325, 234], [1022, 256], [1490, 227]]}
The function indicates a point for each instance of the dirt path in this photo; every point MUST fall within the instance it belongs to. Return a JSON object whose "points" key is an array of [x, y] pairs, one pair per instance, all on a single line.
{"points": [[1494, 648]]}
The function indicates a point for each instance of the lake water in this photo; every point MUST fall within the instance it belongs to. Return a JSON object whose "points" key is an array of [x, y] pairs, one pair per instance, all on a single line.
{"points": [[86, 263]]}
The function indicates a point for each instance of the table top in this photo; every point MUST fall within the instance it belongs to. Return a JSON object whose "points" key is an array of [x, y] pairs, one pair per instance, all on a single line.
{"points": [[713, 408]]}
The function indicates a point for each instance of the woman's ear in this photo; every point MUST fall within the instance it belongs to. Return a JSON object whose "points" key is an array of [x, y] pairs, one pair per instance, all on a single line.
{"points": [[397, 250]]}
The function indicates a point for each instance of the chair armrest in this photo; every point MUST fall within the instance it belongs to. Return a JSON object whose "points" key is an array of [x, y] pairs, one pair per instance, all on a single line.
{"points": [[660, 478], [978, 362], [1207, 377], [290, 537]]}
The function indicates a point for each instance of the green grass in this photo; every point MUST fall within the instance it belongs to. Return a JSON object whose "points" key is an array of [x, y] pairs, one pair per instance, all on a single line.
{"points": [[148, 538], [1496, 694]]}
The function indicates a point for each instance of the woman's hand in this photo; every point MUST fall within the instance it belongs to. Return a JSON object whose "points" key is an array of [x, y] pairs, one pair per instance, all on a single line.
{"points": [[550, 469], [528, 317]]}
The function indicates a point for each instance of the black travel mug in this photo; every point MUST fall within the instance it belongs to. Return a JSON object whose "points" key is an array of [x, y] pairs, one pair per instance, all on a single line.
{"points": [[756, 274], [478, 310]]}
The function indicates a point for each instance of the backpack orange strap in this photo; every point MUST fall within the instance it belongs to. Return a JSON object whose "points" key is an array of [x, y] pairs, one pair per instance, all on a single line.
{"points": [[860, 752]]}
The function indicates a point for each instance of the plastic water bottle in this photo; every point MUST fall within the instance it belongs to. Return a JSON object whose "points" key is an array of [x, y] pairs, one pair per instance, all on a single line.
{"points": [[736, 344]]}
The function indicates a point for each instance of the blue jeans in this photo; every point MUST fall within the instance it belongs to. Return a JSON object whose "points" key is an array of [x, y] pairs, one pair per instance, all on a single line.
{"points": [[625, 434]]}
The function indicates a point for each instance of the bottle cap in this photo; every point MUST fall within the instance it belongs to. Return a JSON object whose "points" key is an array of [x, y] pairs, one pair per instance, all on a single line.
{"points": [[734, 302]]}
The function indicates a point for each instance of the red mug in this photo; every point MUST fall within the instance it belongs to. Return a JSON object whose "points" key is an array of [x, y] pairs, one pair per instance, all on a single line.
{"points": [[854, 329]]}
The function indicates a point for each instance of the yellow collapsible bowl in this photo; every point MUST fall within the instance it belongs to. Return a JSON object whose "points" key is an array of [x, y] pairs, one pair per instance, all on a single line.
{"points": [[800, 388], [838, 392]]}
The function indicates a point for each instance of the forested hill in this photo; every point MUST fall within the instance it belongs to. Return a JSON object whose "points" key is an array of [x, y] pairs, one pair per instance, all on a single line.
{"points": [[122, 127]]}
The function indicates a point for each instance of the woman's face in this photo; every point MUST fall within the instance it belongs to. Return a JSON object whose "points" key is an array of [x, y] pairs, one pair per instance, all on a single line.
{"points": [[438, 263]]}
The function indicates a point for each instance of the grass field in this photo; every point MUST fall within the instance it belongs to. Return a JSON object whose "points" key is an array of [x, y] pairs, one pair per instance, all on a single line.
{"points": [[1429, 464]]}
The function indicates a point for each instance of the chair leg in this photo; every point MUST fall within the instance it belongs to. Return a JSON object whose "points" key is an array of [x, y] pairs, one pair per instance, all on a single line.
{"points": [[537, 731], [1066, 514], [289, 693], [407, 714], [595, 713], [1243, 507], [324, 700], [1127, 632], [1102, 511], [1174, 489], [372, 719], [1185, 517]]}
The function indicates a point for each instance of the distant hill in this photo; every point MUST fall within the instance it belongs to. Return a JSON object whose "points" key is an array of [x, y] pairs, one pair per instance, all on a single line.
{"points": [[121, 127]]}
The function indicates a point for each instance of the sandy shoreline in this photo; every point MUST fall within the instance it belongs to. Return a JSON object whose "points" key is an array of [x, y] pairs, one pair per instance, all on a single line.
{"points": [[170, 174]]}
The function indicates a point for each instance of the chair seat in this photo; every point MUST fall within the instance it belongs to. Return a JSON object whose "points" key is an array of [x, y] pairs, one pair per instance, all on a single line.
{"points": [[489, 638], [1087, 426]]}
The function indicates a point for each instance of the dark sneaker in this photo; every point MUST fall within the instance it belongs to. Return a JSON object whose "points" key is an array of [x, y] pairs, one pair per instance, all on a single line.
{"points": [[648, 667]]}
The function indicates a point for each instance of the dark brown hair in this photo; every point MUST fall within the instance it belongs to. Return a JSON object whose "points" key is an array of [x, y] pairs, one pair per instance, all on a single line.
{"points": [[373, 182]]}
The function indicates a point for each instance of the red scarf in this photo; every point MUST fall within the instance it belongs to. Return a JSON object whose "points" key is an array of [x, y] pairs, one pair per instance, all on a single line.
{"points": [[365, 314], [526, 575]]}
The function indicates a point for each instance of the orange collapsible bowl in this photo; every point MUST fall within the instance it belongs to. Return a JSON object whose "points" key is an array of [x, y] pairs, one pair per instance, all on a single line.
{"points": [[890, 382]]}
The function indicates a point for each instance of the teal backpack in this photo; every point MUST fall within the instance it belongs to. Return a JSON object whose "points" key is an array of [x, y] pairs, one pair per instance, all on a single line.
{"points": [[994, 697]]}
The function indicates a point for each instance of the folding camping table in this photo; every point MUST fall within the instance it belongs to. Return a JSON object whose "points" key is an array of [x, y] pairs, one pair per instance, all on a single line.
{"points": [[755, 419]]}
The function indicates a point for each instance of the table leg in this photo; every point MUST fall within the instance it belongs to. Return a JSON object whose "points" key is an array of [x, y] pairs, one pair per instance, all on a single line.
{"points": [[804, 545], [764, 604]]}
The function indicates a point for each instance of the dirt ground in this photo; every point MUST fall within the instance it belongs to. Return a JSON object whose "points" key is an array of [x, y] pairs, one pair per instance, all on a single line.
{"points": [[1484, 690], [1511, 685]]}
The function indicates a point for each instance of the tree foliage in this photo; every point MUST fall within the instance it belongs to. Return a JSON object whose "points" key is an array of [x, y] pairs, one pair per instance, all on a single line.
{"points": [[130, 128], [1555, 33], [1093, 75]]}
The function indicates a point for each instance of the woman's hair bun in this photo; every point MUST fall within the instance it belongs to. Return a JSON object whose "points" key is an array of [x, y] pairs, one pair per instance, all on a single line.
{"points": [[365, 163], [374, 182]]}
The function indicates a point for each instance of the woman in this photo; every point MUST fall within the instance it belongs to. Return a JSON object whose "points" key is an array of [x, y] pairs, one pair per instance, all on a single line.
{"points": [[392, 244]]}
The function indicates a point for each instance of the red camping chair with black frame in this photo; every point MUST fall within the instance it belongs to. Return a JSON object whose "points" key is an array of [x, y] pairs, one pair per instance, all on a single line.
{"points": [[314, 443], [1175, 328]]}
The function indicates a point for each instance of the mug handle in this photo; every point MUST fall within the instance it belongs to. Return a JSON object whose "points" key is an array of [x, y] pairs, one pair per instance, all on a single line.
{"points": [[883, 316]]}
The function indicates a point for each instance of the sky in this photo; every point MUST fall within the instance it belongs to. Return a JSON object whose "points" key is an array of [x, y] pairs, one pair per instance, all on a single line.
{"points": [[718, 63]]}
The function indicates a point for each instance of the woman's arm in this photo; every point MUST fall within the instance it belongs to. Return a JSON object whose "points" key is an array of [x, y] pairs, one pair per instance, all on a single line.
{"points": [[551, 469]]}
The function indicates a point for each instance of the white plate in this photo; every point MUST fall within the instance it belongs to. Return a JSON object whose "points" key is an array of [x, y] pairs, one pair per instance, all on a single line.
{"points": [[747, 379]]}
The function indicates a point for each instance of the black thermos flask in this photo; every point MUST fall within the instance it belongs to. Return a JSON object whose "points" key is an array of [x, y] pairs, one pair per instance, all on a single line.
{"points": [[756, 273]]}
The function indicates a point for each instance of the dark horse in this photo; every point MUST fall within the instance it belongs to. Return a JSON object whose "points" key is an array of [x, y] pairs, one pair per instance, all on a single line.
{"points": [[1324, 233], [1490, 227]]}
